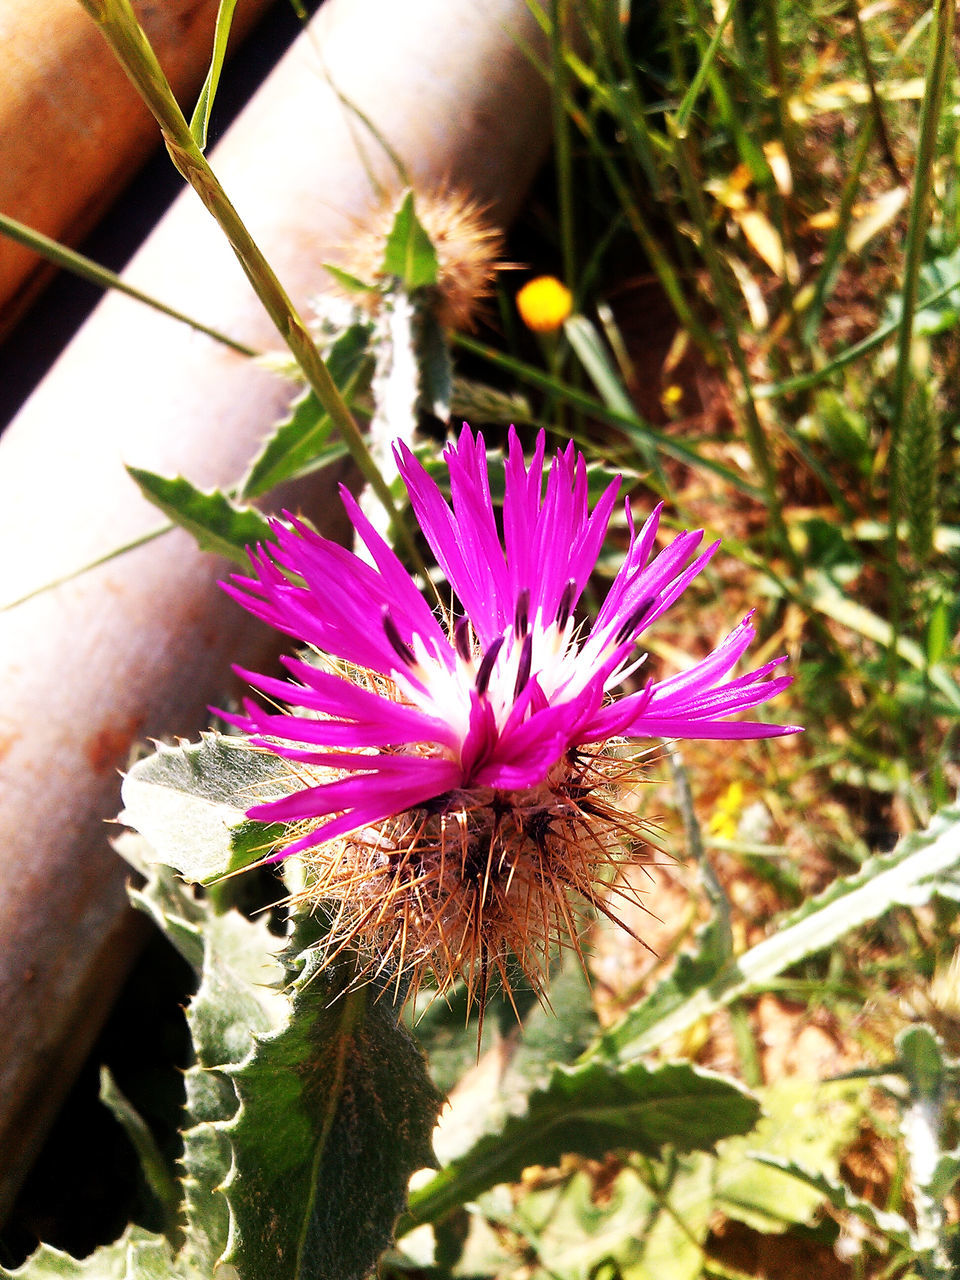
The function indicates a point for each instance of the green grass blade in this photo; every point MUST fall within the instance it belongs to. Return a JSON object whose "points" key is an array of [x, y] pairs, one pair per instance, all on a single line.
{"points": [[87, 269], [805, 381], [688, 101], [200, 120], [113, 554], [639, 432]]}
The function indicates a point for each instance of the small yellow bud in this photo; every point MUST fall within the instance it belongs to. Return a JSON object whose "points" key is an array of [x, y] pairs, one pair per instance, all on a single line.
{"points": [[671, 395], [544, 304]]}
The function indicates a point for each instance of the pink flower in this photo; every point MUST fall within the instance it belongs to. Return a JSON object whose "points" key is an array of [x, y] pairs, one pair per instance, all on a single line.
{"points": [[506, 708]]}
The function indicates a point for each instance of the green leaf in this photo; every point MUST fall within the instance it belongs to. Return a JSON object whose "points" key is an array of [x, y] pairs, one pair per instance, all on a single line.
{"points": [[336, 1113], [922, 1061], [946, 1173], [301, 442], [588, 1110], [556, 1031], [573, 1236], [804, 1122], [909, 876], [409, 254], [189, 803], [352, 284], [216, 522], [892, 1225], [137, 1255], [239, 996], [200, 119], [593, 355]]}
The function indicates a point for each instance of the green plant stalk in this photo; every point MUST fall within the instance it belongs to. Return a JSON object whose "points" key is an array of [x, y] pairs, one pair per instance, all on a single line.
{"points": [[559, 94], [941, 43], [119, 25], [87, 269], [704, 70], [756, 438], [662, 266], [779, 205], [778, 76]]}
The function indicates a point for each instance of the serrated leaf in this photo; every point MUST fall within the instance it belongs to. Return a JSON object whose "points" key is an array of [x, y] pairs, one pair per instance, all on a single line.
{"points": [[164, 898], [137, 1255], [200, 120], [214, 520], [239, 995], [301, 442], [909, 876], [694, 972], [409, 254], [189, 803], [589, 1110], [336, 1113], [922, 1062]]}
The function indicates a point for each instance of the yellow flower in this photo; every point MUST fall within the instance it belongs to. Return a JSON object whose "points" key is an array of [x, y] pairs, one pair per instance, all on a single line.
{"points": [[544, 304], [723, 822]]}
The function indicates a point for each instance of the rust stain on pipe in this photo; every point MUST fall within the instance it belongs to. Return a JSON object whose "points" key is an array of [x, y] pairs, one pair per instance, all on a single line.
{"points": [[64, 97]]}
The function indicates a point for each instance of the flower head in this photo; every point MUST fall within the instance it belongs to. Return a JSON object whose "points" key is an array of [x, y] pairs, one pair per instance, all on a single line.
{"points": [[468, 246], [458, 777], [544, 303]]}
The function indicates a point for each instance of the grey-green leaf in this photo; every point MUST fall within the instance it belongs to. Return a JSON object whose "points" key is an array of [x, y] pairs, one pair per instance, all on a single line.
{"points": [[189, 802], [336, 1113], [216, 522], [917, 869], [137, 1255], [409, 254]]}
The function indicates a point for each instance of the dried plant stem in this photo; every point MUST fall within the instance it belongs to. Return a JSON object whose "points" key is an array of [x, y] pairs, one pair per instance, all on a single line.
{"points": [[118, 23], [876, 106]]}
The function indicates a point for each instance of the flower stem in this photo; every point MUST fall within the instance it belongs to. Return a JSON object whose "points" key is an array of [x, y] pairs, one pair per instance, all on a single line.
{"points": [[119, 25]]}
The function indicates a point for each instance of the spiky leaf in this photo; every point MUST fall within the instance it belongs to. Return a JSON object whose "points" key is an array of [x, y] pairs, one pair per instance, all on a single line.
{"points": [[409, 254], [189, 803], [137, 1255], [588, 1110], [921, 865], [336, 1113], [301, 443], [218, 524]]}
